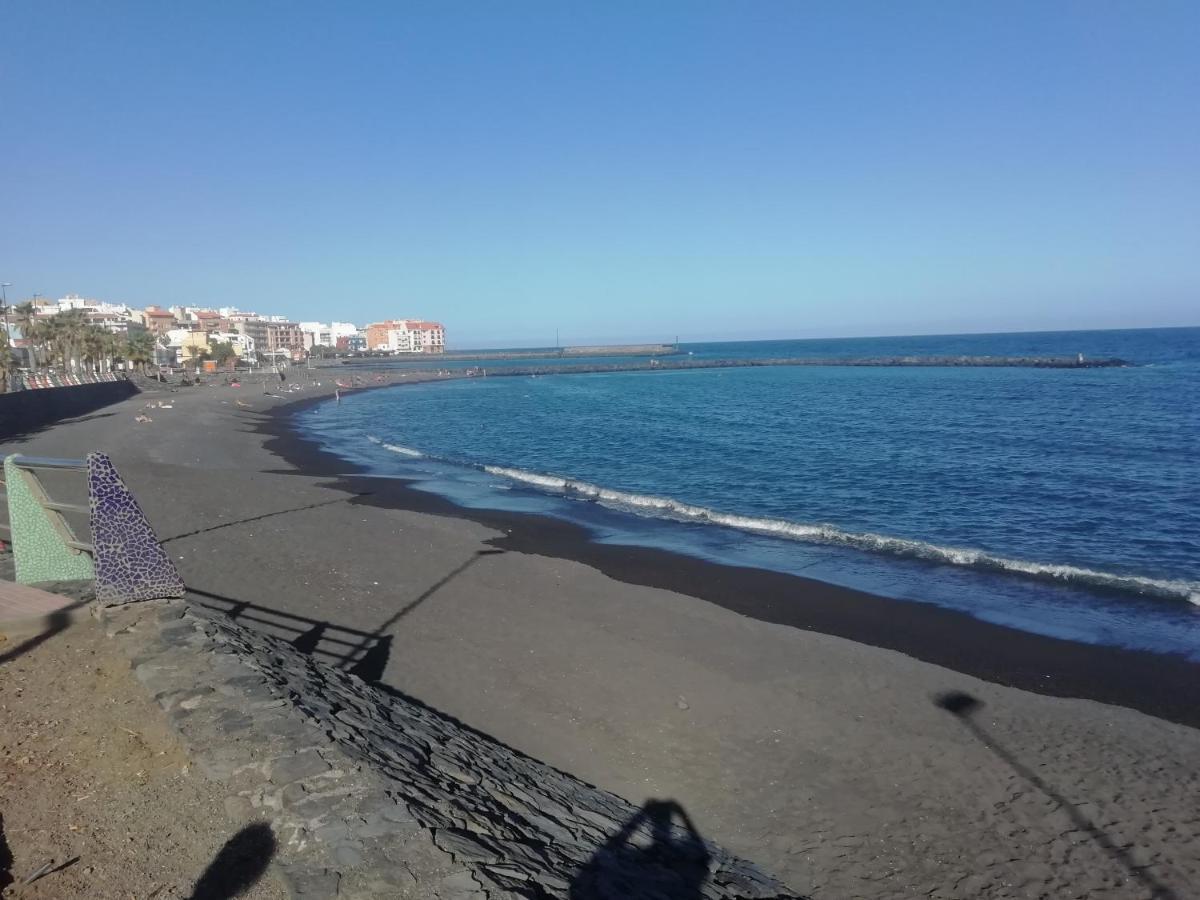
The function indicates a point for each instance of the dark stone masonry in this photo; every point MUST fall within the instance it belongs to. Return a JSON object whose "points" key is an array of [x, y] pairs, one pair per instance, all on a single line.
{"points": [[371, 794]]}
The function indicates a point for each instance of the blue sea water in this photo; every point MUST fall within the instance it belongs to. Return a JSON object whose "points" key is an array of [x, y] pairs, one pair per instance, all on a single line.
{"points": [[1063, 502]]}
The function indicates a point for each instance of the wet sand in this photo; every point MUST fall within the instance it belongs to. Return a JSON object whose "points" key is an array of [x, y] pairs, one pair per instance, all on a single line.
{"points": [[797, 722]]}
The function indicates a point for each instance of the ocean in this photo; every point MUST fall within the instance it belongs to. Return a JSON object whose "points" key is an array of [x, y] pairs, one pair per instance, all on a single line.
{"points": [[1061, 502]]}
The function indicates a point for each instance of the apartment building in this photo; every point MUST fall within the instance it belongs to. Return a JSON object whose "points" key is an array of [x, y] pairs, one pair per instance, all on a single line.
{"points": [[274, 338], [407, 336]]}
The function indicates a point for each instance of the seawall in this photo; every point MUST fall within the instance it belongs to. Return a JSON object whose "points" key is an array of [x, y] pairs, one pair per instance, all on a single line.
{"points": [[23, 411], [372, 794]]}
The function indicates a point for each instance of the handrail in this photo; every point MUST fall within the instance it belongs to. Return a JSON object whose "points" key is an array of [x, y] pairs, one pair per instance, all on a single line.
{"points": [[66, 507], [45, 462], [48, 462]]}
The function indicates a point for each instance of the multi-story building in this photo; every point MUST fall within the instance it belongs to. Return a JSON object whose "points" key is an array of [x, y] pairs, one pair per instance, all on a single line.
{"points": [[157, 321], [115, 317], [209, 321], [318, 334], [274, 338], [406, 336], [342, 329], [243, 344], [351, 343], [187, 343]]}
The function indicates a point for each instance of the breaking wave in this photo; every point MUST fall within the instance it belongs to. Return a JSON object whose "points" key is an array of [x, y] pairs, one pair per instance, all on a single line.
{"points": [[670, 508]]}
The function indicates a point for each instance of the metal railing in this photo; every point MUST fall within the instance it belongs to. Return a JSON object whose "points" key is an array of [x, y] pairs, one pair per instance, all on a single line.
{"points": [[55, 507]]}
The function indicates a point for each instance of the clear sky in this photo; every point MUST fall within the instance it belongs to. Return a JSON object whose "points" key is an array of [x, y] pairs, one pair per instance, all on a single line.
{"points": [[615, 170]]}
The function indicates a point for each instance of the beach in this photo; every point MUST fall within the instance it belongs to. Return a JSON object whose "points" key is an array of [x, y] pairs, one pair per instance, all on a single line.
{"points": [[853, 745]]}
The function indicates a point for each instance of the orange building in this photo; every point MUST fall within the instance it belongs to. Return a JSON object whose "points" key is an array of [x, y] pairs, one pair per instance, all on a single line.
{"points": [[158, 321], [407, 336]]}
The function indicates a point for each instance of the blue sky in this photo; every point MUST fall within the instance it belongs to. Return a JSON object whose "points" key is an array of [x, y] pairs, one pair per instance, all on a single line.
{"points": [[618, 171]]}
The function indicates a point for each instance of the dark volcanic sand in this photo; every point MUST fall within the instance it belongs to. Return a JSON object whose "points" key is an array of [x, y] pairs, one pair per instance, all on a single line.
{"points": [[823, 754], [1160, 685]]}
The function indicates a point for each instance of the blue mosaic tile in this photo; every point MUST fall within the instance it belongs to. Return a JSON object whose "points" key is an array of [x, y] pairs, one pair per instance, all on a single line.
{"points": [[130, 564]]}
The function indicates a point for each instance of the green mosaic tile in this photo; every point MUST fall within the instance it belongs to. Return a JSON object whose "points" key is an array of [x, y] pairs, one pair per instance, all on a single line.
{"points": [[38, 548]]}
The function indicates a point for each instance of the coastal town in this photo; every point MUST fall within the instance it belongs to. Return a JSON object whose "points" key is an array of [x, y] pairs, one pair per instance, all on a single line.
{"points": [[78, 337]]}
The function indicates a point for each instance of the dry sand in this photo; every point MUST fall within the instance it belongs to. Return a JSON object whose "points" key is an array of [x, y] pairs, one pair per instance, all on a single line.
{"points": [[825, 760], [93, 779]]}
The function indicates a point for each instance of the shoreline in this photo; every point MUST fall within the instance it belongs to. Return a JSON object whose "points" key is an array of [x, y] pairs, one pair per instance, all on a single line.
{"points": [[844, 768], [1160, 685]]}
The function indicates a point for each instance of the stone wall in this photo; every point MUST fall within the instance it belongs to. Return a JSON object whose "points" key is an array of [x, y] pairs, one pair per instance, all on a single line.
{"points": [[371, 794], [24, 411]]}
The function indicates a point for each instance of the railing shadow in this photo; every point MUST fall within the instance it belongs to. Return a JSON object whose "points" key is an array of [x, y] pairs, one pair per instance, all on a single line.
{"points": [[259, 518], [362, 653], [337, 644], [963, 706]]}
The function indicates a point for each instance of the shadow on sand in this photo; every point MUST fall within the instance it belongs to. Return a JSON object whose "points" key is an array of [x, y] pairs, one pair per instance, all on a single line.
{"points": [[963, 707], [6, 859], [56, 622], [362, 653], [238, 865], [652, 856]]}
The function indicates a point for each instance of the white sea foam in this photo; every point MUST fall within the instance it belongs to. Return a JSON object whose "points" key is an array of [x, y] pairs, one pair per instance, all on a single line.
{"points": [[668, 507], [396, 448]]}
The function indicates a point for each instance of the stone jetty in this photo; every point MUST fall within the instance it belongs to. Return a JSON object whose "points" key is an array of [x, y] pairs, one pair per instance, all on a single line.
{"points": [[683, 362], [668, 365]]}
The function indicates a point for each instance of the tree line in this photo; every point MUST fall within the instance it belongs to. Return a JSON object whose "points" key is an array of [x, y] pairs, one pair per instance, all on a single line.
{"points": [[70, 342]]}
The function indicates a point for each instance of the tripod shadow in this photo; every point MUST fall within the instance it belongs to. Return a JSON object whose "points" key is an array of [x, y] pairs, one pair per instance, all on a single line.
{"points": [[650, 857]]}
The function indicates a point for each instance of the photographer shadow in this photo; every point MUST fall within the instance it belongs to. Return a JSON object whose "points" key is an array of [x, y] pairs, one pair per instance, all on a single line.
{"points": [[650, 857]]}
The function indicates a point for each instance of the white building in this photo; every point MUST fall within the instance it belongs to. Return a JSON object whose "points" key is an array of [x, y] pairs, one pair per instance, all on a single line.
{"points": [[114, 317], [318, 334], [243, 344]]}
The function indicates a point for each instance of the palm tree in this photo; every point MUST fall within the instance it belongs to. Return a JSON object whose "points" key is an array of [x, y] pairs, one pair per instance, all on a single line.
{"points": [[33, 329], [68, 330], [114, 349], [94, 342], [51, 333], [139, 350], [6, 361]]}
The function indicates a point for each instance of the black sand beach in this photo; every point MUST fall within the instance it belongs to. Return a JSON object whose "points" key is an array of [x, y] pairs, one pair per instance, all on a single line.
{"points": [[1159, 685], [814, 728]]}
